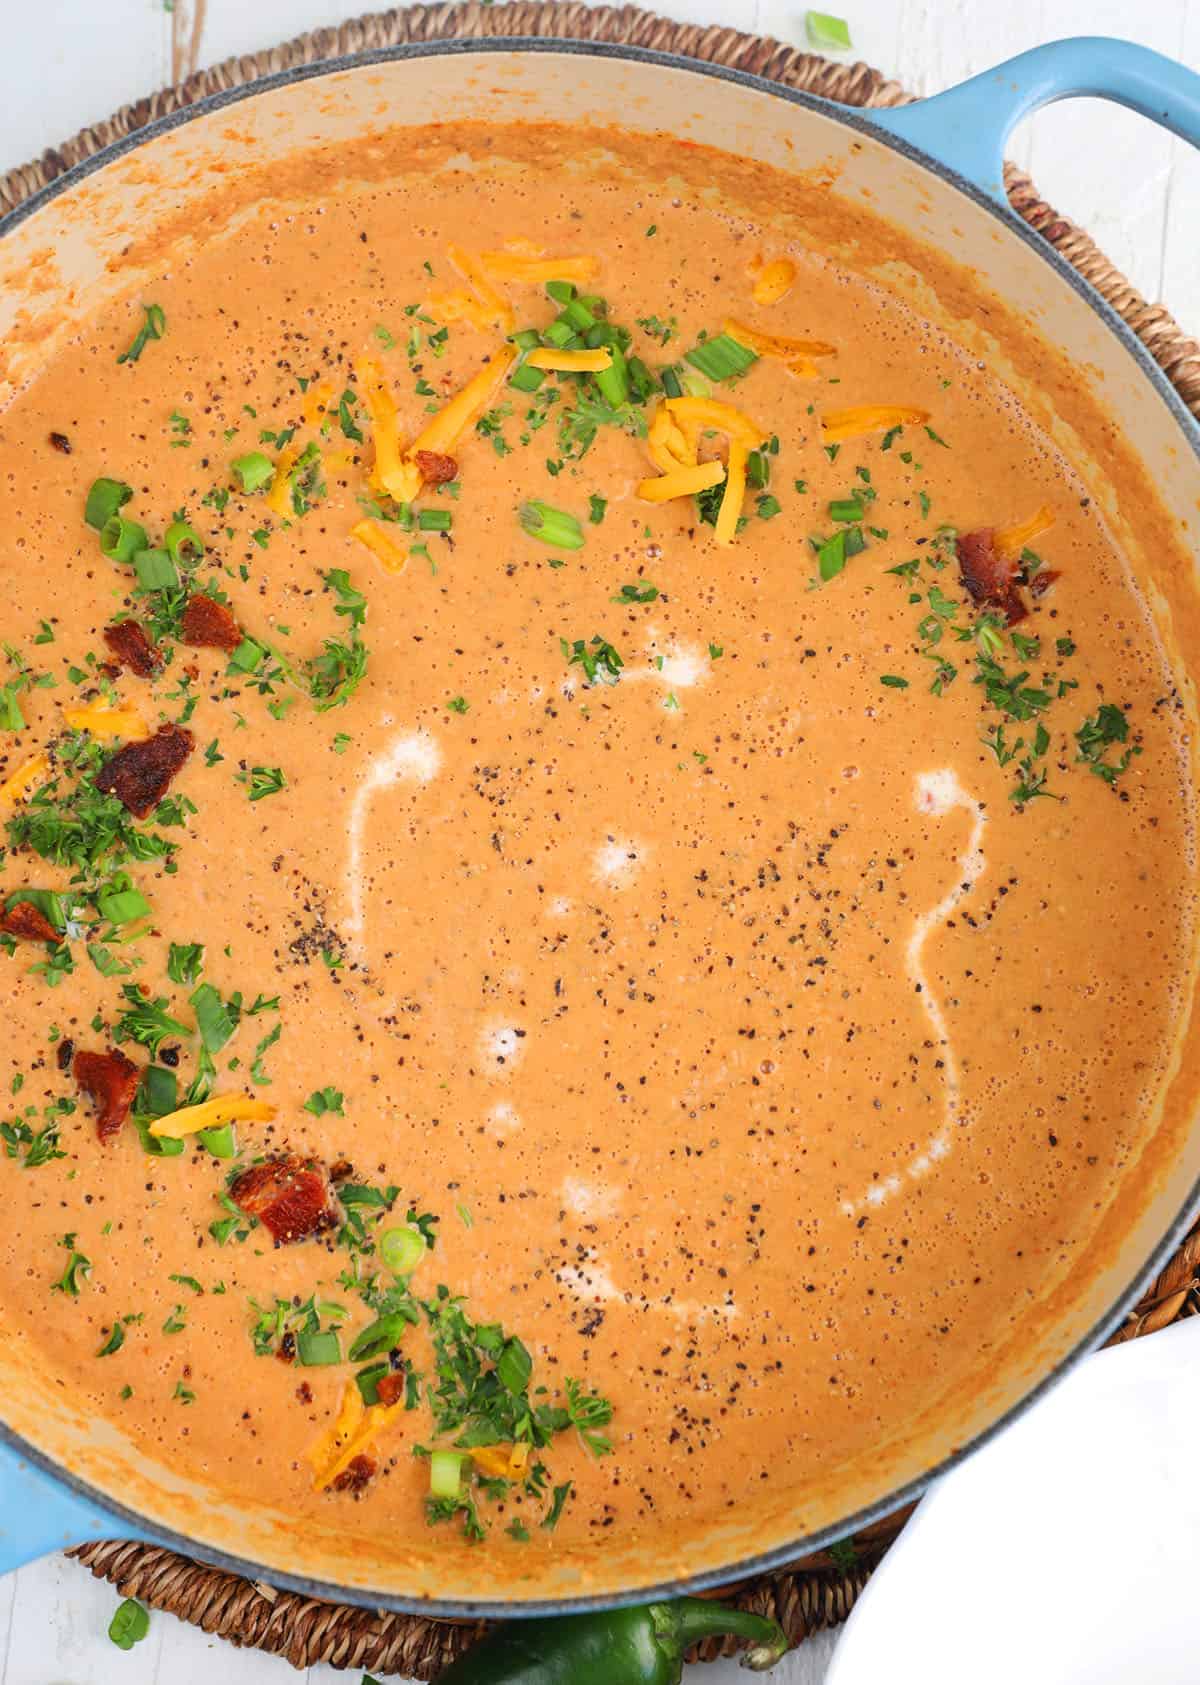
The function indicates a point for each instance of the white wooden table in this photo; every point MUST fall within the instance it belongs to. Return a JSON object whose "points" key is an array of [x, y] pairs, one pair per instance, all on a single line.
{"points": [[71, 62]]}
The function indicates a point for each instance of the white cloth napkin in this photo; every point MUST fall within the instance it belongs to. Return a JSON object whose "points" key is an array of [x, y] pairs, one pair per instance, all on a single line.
{"points": [[1064, 1552]]}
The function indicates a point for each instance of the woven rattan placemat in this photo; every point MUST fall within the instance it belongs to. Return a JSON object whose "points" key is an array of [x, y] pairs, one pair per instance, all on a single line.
{"points": [[820, 1590]]}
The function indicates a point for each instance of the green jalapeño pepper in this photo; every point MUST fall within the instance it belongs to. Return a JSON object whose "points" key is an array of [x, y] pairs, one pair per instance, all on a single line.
{"points": [[616, 1647]]}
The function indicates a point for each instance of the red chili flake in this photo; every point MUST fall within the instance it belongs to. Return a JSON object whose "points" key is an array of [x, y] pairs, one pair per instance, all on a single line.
{"points": [[390, 1389], [435, 468], [357, 1475], [110, 1081], [288, 1195], [132, 648], [208, 624], [990, 578], [140, 774], [27, 923], [61, 443]]}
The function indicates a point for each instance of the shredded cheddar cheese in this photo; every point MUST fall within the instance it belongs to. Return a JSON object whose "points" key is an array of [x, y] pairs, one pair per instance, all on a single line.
{"points": [[570, 362], [536, 270], [460, 306], [211, 1114], [665, 442], [797, 354], [19, 783], [502, 1462], [1010, 541], [352, 1432], [495, 308], [451, 422], [278, 498], [772, 281], [390, 473], [108, 722], [854, 423], [682, 482], [393, 557], [735, 492], [699, 413], [317, 400]]}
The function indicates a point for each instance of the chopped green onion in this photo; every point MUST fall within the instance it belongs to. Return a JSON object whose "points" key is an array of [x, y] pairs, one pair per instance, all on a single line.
{"points": [[562, 292], [695, 385], [248, 656], [220, 1140], [120, 540], [378, 1337], [831, 556], [671, 383], [846, 509], [826, 33], [151, 328], [435, 520], [11, 717], [254, 470], [758, 470], [855, 542], [123, 906], [401, 1249], [552, 526], [767, 507], [526, 379], [560, 334], [722, 357], [367, 1381], [893, 681], [183, 542], [316, 1350], [596, 507], [613, 382], [104, 498], [578, 316], [445, 1467], [129, 1625], [526, 339], [155, 570]]}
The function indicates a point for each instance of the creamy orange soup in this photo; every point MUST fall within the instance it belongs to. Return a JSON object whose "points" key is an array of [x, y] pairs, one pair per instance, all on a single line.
{"points": [[659, 909]]}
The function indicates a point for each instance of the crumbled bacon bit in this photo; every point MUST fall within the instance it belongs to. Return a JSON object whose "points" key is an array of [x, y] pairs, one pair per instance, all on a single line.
{"points": [[1042, 581], [110, 1081], [61, 443], [288, 1195], [140, 774], [340, 1170], [390, 1389], [208, 624], [358, 1474], [27, 923], [64, 1054], [435, 468], [287, 1348], [132, 648], [990, 578]]}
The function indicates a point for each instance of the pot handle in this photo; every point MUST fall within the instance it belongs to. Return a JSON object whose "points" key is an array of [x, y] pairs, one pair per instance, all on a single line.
{"points": [[39, 1515], [966, 128]]}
